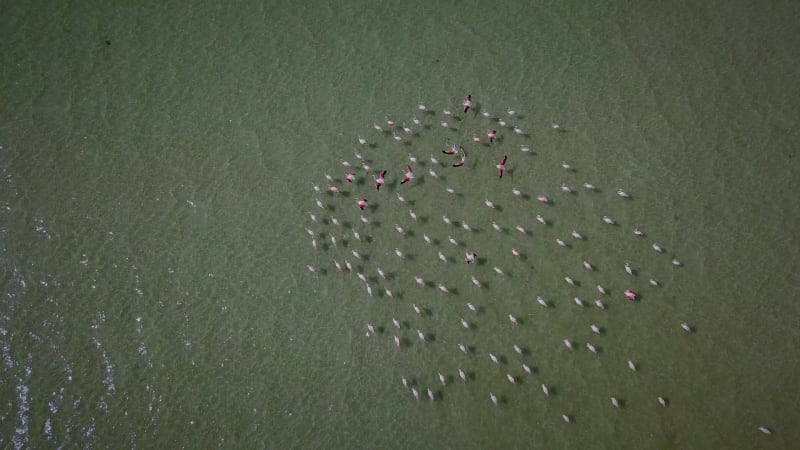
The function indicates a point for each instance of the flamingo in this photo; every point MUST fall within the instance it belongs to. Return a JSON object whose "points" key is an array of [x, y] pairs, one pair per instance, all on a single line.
{"points": [[501, 168], [476, 282], [599, 304]]}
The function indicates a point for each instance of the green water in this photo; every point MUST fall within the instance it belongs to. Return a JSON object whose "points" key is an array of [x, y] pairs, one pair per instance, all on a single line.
{"points": [[157, 164]]}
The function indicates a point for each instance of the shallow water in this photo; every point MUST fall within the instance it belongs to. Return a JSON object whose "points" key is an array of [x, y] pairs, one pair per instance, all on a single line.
{"points": [[156, 188]]}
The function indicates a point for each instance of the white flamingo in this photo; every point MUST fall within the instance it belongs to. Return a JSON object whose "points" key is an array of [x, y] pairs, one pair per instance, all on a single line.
{"points": [[599, 304]]}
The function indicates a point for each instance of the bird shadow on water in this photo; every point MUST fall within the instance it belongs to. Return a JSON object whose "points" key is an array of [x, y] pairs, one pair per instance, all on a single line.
{"points": [[598, 349]]}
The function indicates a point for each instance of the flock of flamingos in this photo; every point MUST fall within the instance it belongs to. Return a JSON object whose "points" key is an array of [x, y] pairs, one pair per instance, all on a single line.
{"points": [[347, 236]]}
